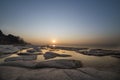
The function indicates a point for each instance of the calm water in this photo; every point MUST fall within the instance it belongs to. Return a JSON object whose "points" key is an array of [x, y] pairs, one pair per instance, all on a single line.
{"points": [[91, 47]]}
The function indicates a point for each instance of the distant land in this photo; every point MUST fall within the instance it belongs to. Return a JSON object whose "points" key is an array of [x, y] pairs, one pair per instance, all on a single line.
{"points": [[10, 39]]}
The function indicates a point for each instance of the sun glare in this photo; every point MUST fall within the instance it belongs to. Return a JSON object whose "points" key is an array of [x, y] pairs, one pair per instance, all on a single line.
{"points": [[53, 41]]}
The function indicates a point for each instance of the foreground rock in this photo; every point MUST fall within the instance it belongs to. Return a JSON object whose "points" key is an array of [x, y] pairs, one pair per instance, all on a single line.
{"points": [[52, 70], [49, 55], [7, 49], [116, 56], [4, 55], [21, 58], [61, 63], [30, 53]]}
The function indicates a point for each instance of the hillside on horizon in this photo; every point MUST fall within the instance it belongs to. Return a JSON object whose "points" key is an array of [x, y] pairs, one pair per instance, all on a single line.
{"points": [[10, 39]]}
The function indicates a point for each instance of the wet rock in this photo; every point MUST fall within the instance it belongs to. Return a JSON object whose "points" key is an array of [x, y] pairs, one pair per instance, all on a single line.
{"points": [[4, 55], [49, 55], [38, 49], [7, 49], [34, 49], [70, 48], [30, 53], [22, 47], [22, 64], [21, 58], [100, 52], [116, 56], [31, 50], [61, 63]]}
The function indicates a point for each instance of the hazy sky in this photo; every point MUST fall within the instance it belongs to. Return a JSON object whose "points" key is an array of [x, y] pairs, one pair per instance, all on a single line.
{"points": [[66, 21]]}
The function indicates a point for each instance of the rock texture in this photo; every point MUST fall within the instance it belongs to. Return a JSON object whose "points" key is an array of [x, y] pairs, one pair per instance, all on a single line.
{"points": [[49, 55], [16, 71], [100, 52], [69, 48], [61, 63], [30, 53], [34, 49], [21, 58], [8, 49]]}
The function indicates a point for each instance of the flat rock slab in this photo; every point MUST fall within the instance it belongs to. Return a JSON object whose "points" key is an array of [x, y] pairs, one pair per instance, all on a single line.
{"points": [[61, 63], [8, 49], [21, 58], [100, 52], [34, 49], [49, 55], [17, 73], [70, 48], [4, 55], [101, 75], [30, 53], [52, 70]]}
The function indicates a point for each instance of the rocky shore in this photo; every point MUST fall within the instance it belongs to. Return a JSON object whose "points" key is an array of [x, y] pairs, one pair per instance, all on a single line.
{"points": [[92, 52], [101, 52], [8, 49], [52, 70], [24, 66]]}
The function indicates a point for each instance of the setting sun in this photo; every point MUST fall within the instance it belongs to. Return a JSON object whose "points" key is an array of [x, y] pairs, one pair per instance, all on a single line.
{"points": [[53, 41]]}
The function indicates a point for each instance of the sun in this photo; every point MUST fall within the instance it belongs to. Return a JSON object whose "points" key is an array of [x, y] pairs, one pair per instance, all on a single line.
{"points": [[53, 41]]}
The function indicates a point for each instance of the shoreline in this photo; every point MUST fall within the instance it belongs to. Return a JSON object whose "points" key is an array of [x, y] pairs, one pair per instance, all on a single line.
{"points": [[70, 60]]}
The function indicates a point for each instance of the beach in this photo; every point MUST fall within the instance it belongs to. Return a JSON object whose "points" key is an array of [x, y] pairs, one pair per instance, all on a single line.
{"points": [[66, 60]]}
